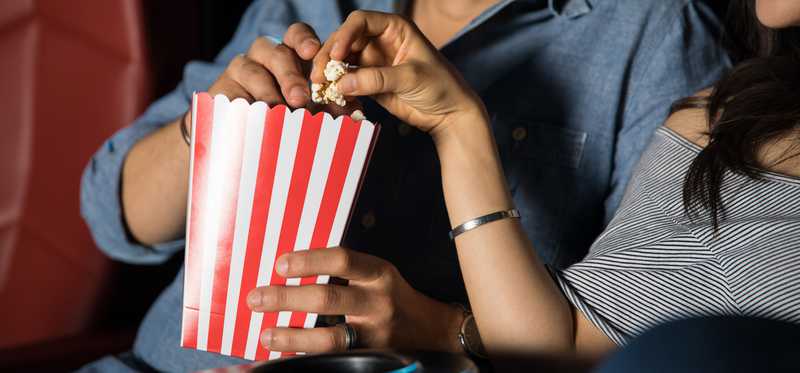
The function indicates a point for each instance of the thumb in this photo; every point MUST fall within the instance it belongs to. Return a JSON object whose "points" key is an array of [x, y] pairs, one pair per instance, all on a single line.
{"points": [[368, 81]]}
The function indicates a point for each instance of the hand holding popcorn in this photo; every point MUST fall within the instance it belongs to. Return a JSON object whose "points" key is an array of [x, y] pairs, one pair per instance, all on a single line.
{"points": [[325, 93], [399, 68]]}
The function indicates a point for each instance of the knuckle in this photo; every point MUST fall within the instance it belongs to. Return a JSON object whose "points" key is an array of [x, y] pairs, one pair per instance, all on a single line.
{"points": [[386, 309], [250, 69], [257, 46], [290, 77], [258, 43], [376, 79], [356, 14], [263, 91], [342, 261], [266, 95], [281, 297], [297, 27], [385, 273], [334, 341], [235, 63], [330, 297], [274, 298], [282, 51], [282, 340], [238, 59]]}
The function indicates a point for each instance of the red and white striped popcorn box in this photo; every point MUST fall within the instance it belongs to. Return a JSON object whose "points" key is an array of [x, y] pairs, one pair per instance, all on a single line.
{"points": [[264, 181]]}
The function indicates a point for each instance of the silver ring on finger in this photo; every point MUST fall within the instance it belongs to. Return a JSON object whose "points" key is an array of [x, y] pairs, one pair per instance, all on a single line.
{"points": [[350, 336]]}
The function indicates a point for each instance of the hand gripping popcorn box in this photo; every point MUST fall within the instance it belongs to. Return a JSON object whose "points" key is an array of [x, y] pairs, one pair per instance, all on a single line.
{"points": [[264, 181]]}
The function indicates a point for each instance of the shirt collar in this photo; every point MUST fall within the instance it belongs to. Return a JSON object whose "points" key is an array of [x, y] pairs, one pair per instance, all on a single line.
{"points": [[560, 8], [569, 8]]}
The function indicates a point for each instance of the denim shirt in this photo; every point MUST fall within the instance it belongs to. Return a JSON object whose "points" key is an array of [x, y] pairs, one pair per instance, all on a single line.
{"points": [[574, 90]]}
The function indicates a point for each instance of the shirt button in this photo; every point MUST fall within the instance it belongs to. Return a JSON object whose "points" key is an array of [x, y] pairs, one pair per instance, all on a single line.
{"points": [[403, 129], [519, 133], [368, 220]]}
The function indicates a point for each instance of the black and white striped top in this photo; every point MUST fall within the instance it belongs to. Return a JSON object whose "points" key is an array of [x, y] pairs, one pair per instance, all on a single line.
{"points": [[652, 264]]}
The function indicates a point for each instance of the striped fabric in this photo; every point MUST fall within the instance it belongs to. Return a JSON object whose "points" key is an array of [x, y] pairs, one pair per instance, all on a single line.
{"points": [[263, 182], [653, 265]]}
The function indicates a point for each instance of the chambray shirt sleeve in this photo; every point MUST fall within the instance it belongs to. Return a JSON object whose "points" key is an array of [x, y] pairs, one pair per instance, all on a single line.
{"points": [[100, 184], [679, 56]]}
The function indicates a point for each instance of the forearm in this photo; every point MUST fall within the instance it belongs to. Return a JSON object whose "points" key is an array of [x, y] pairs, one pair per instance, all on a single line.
{"points": [[516, 304], [155, 184]]}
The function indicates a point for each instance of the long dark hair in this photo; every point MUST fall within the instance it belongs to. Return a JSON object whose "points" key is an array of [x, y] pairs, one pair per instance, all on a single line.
{"points": [[754, 104]]}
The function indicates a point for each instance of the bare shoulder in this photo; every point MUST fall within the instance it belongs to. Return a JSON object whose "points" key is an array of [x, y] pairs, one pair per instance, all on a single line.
{"points": [[691, 124]]}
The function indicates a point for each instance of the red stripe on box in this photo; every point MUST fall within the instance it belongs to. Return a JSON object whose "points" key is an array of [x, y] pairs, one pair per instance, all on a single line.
{"points": [[190, 320], [301, 172], [270, 145], [342, 155], [230, 191], [202, 149]]}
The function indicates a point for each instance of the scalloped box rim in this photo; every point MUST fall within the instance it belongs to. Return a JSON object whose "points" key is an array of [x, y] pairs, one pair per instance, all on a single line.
{"points": [[288, 109]]}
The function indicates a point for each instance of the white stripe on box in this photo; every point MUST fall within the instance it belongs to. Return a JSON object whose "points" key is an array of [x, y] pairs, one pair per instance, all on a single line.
{"points": [[220, 139], [323, 156], [189, 201], [283, 319], [351, 183], [274, 355], [277, 205], [254, 131]]}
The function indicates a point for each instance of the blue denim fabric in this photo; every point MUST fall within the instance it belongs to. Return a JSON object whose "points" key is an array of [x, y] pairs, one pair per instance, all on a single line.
{"points": [[574, 89]]}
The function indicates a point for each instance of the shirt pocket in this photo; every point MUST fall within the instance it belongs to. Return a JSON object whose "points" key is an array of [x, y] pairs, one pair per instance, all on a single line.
{"points": [[543, 163], [547, 144]]}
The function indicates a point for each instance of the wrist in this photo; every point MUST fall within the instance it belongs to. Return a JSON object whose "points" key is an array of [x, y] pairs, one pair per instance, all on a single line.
{"points": [[465, 123], [467, 151], [453, 320]]}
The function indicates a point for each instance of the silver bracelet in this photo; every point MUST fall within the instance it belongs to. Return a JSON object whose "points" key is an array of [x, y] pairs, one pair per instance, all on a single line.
{"points": [[481, 220]]}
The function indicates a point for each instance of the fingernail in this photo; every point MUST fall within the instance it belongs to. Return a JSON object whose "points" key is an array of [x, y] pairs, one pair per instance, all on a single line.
{"points": [[282, 266], [298, 93], [335, 49], [266, 338], [346, 84], [254, 299]]}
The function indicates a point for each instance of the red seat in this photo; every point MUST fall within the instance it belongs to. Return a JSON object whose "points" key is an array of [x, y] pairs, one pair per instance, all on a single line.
{"points": [[72, 73]]}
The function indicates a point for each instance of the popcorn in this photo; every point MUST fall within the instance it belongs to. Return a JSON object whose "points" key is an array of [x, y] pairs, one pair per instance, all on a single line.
{"points": [[358, 115], [335, 69], [328, 92], [332, 94], [316, 92]]}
